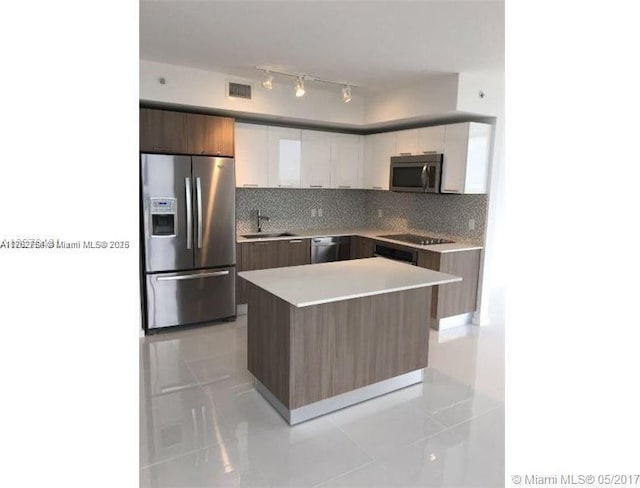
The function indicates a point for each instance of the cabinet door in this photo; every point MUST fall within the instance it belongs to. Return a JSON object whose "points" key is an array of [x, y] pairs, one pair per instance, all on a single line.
{"points": [[431, 139], [453, 298], [251, 155], [429, 260], [315, 159], [406, 142], [210, 135], [163, 131], [455, 158], [283, 157], [460, 297], [259, 255], [361, 247], [294, 252], [378, 151], [478, 151], [346, 160], [466, 158]]}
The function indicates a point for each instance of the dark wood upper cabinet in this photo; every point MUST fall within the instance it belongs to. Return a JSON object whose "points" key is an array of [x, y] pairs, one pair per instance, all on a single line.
{"points": [[163, 131], [210, 135]]}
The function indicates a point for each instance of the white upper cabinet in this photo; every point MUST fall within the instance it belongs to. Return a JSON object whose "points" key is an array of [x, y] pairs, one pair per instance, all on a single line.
{"points": [[251, 155], [466, 158], [406, 142], [431, 139], [280, 157], [378, 150], [315, 159], [283, 157], [347, 153]]}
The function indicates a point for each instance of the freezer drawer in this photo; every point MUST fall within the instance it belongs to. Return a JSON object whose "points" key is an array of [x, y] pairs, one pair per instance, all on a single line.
{"points": [[190, 297]]}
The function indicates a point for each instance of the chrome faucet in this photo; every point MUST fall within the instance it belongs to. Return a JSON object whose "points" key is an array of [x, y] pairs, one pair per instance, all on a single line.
{"points": [[260, 219]]}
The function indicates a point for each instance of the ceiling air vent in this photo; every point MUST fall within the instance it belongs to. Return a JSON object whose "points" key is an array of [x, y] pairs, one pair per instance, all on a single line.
{"points": [[238, 90]]}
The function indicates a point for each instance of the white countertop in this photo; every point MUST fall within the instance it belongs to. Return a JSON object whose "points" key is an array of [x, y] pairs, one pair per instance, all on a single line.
{"points": [[313, 284], [370, 233]]}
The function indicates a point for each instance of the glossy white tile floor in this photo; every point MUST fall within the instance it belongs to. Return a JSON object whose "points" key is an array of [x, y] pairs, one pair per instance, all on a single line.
{"points": [[202, 424]]}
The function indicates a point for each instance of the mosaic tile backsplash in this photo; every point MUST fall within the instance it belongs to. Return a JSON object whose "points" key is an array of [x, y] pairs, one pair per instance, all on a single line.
{"points": [[290, 209], [447, 215]]}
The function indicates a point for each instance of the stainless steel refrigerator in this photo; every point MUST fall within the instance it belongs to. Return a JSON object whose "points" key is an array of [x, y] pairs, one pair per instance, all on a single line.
{"points": [[188, 227]]}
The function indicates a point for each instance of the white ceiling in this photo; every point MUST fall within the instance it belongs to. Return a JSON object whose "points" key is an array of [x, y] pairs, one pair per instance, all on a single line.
{"points": [[375, 44]]}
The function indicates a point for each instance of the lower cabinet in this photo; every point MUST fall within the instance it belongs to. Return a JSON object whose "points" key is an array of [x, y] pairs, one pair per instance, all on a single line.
{"points": [[361, 247], [269, 254], [453, 298], [447, 300]]}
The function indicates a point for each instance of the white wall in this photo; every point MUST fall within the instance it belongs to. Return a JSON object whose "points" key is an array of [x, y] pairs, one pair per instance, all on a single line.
{"points": [[491, 84], [493, 278], [437, 97], [433, 97], [207, 89]]}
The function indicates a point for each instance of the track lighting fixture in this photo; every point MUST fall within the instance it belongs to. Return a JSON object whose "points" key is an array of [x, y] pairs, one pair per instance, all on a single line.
{"points": [[346, 94], [268, 81], [300, 80], [300, 87]]}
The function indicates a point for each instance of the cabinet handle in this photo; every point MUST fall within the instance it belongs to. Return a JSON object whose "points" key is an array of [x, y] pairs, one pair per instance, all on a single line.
{"points": [[405, 154], [250, 184], [315, 186], [344, 186], [450, 189], [285, 186], [429, 152], [295, 242], [377, 187]]}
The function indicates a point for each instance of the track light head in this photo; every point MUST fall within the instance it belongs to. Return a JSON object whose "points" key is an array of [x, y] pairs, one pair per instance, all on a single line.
{"points": [[346, 94], [268, 81], [300, 87], [300, 78]]}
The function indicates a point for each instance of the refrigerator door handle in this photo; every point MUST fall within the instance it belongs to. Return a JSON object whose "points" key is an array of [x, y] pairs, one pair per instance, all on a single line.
{"points": [[199, 204], [187, 188], [192, 276]]}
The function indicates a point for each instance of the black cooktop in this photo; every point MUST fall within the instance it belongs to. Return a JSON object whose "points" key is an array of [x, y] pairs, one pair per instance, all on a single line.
{"points": [[416, 239]]}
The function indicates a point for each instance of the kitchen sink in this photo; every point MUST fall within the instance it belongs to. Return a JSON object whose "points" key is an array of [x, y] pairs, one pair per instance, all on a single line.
{"points": [[266, 235]]}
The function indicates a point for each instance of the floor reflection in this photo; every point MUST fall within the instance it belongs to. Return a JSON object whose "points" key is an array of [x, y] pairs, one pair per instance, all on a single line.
{"points": [[202, 423]]}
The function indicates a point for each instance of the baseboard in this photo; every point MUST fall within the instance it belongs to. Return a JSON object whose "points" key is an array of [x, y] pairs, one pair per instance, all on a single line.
{"points": [[340, 401], [453, 321]]}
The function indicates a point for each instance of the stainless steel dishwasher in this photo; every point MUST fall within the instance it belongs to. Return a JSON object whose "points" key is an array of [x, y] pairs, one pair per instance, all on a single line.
{"points": [[327, 249]]}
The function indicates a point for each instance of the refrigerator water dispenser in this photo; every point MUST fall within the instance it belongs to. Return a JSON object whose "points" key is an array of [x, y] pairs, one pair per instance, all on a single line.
{"points": [[163, 216]]}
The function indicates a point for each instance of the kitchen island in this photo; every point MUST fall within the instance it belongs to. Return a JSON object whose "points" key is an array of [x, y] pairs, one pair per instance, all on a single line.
{"points": [[325, 336]]}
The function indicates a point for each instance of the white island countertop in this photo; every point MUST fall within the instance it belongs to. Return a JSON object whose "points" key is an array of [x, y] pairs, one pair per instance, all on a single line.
{"points": [[313, 284]]}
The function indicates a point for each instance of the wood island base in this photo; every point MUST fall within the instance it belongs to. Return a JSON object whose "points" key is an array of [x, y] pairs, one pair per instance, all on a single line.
{"points": [[311, 360]]}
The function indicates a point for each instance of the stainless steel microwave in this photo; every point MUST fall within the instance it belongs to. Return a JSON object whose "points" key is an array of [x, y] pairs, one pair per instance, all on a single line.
{"points": [[419, 174]]}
